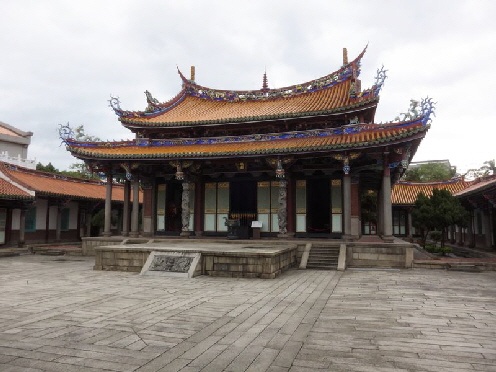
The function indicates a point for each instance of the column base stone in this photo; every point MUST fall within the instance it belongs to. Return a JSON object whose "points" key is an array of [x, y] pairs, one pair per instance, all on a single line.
{"points": [[387, 238]]}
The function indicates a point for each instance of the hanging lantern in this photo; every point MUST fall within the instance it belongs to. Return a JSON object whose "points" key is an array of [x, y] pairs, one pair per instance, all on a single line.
{"points": [[179, 172], [280, 172]]}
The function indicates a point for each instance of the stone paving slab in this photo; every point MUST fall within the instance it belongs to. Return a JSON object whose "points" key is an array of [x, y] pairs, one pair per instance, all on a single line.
{"points": [[57, 314]]}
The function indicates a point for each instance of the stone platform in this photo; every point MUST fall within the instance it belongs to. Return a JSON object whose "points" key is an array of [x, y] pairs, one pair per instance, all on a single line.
{"points": [[227, 259]]}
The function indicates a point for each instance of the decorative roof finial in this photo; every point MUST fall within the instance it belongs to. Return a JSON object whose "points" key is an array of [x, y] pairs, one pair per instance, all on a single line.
{"points": [[192, 73], [345, 56], [265, 86]]}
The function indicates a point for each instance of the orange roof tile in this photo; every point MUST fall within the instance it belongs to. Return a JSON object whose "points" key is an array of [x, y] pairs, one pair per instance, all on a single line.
{"points": [[57, 185], [405, 193], [10, 191], [478, 185], [196, 105], [195, 110], [295, 142]]}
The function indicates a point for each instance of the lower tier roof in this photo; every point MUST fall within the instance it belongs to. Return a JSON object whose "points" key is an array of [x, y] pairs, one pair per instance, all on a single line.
{"points": [[344, 138]]}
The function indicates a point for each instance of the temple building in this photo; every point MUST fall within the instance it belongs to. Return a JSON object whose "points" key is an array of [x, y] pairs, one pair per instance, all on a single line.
{"points": [[299, 161]]}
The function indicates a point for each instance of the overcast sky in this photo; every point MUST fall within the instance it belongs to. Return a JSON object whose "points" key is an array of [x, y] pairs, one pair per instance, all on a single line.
{"points": [[61, 60]]}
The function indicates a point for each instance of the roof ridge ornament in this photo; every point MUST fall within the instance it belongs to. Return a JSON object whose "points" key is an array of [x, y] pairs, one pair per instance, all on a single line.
{"points": [[153, 103]]}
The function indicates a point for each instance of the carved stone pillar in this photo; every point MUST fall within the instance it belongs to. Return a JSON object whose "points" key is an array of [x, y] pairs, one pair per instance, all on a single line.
{"points": [[282, 214], [135, 213], [108, 206], [125, 208], [185, 209], [347, 206], [291, 208]]}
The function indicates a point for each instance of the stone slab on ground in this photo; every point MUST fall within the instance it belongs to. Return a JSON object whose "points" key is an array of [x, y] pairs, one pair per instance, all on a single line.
{"points": [[57, 314]]}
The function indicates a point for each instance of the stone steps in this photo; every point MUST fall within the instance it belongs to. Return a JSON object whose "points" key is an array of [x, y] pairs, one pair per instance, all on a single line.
{"points": [[323, 257]]}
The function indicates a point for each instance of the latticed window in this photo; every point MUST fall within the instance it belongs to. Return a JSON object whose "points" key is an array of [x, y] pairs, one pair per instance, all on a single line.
{"points": [[65, 219], [399, 222], [30, 224]]}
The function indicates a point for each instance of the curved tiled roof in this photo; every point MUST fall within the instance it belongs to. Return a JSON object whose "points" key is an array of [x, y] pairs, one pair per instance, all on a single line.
{"points": [[405, 193], [197, 111], [348, 137], [478, 185], [199, 105], [57, 185], [10, 191]]}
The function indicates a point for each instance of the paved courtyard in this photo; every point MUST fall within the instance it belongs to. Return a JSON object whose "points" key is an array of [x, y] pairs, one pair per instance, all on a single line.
{"points": [[57, 314]]}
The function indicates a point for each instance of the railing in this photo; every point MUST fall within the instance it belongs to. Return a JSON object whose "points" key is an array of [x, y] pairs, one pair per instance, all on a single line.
{"points": [[17, 160]]}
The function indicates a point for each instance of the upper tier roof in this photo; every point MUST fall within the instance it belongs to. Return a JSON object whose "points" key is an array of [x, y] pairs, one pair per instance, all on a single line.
{"points": [[198, 105]]}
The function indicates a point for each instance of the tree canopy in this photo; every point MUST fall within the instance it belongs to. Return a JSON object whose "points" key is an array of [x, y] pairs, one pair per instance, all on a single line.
{"points": [[437, 212], [430, 172]]}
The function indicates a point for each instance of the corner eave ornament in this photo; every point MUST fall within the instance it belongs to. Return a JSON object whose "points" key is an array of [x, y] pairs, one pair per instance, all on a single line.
{"points": [[66, 133], [427, 108], [115, 104], [380, 77]]}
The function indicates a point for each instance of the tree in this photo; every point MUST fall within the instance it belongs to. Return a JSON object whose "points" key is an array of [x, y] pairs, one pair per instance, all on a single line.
{"points": [[47, 168], [437, 212], [430, 172], [489, 168], [80, 135]]}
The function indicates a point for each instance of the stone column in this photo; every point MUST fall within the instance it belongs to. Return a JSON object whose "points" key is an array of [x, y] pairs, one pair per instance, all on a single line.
{"points": [[125, 208], [135, 213], [282, 214], [387, 218], [22, 227], [347, 206], [409, 224], [108, 206], [199, 202], [185, 210], [380, 212], [291, 226]]}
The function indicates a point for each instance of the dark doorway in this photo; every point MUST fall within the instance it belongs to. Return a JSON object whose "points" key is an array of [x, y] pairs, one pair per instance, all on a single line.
{"points": [[243, 196], [170, 204], [319, 205], [243, 205], [369, 212]]}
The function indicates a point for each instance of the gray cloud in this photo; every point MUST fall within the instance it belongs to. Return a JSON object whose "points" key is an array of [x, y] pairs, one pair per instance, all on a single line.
{"points": [[62, 60]]}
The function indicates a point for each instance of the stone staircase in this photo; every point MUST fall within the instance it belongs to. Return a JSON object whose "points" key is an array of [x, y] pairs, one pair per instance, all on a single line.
{"points": [[323, 257]]}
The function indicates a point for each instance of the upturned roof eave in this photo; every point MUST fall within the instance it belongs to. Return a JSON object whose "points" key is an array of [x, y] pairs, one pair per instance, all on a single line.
{"points": [[381, 142], [365, 104]]}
